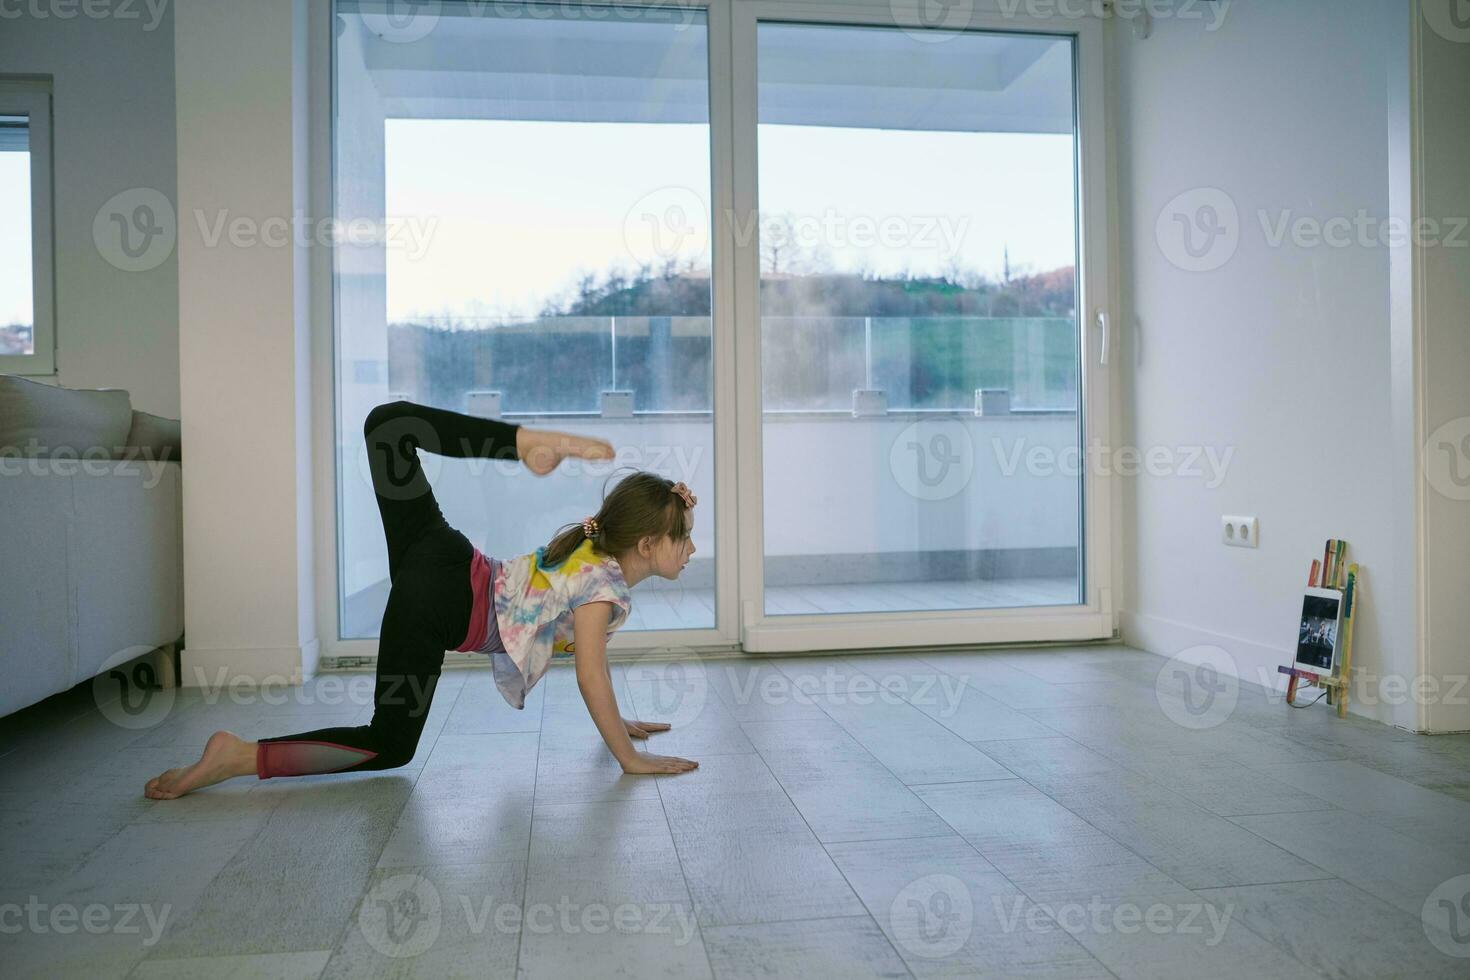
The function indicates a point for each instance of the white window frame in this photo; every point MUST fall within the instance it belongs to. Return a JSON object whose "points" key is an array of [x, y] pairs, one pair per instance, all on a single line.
{"points": [[33, 100], [337, 651], [1095, 617], [735, 275]]}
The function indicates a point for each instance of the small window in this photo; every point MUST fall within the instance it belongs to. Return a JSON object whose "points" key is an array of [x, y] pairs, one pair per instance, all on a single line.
{"points": [[27, 324]]}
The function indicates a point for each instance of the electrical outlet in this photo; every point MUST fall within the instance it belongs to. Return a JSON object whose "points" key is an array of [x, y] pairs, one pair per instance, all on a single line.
{"points": [[1239, 532]]}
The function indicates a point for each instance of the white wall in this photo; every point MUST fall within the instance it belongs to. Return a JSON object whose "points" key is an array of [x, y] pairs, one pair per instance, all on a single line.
{"points": [[1284, 106], [1441, 279], [244, 337], [1283, 351], [113, 122]]}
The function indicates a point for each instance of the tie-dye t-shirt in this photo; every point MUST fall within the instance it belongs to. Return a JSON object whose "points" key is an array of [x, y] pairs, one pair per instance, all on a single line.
{"points": [[532, 611]]}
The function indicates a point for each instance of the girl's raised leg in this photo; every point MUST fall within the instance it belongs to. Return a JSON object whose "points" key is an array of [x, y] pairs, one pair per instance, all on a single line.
{"points": [[424, 616], [393, 433]]}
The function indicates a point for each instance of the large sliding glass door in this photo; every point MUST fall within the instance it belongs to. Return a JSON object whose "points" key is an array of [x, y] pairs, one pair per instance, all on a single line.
{"points": [[915, 298], [542, 173], [838, 277]]}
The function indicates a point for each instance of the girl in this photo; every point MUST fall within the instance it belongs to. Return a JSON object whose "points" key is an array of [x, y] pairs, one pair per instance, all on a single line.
{"points": [[566, 597]]}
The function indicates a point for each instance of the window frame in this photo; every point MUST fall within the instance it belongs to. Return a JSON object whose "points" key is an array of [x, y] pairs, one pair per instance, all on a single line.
{"points": [[33, 100], [739, 625], [1093, 618]]}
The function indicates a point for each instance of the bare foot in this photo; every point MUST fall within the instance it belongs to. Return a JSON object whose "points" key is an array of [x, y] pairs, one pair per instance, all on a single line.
{"points": [[225, 755], [542, 450]]}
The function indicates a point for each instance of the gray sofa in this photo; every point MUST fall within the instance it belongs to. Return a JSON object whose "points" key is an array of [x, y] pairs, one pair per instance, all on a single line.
{"points": [[91, 540]]}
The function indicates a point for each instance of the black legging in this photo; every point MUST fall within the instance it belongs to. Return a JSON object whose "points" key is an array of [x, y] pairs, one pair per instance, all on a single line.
{"points": [[429, 598]]}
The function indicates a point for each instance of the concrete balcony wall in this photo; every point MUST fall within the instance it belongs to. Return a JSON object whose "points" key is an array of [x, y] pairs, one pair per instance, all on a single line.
{"points": [[834, 495]]}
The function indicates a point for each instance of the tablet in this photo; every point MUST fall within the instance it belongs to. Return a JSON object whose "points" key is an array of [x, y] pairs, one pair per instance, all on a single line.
{"points": [[1317, 636]]}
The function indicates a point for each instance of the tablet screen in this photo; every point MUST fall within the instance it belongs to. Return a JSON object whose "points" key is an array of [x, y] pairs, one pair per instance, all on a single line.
{"points": [[1317, 636]]}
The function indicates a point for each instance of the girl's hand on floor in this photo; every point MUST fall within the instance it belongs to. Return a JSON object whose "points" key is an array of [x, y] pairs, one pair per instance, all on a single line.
{"points": [[644, 763], [640, 729]]}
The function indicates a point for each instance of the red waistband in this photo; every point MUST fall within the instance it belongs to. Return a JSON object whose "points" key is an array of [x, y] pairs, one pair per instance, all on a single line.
{"points": [[480, 611]]}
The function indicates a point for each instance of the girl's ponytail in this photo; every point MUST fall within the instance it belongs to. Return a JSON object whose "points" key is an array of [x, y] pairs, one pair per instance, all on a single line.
{"points": [[642, 504]]}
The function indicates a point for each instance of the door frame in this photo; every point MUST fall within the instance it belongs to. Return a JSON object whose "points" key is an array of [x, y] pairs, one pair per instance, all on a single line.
{"points": [[329, 467], [761, 633], [738, 528]]}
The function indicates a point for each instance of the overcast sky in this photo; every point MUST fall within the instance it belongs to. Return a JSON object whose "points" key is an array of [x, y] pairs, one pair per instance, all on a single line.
{"points": [[508, 214], [513, 212]]}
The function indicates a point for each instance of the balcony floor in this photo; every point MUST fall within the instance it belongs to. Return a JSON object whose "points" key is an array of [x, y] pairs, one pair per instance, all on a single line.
{"points": [[675, 608], [665, 608]]}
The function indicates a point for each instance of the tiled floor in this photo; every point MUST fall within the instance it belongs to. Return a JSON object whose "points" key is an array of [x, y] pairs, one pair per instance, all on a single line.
{"points": [[1005, 814]]}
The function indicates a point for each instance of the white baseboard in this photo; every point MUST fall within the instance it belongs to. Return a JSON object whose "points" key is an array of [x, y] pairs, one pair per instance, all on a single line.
{"points": [[1255, 663], [204, 667]]}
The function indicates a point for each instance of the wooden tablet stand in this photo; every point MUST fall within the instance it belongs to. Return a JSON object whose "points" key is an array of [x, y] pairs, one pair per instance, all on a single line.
{"points": [[1339, 682]]}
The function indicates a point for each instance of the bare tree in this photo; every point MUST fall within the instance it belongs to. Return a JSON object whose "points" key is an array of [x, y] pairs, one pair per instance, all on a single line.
{"points": [[778, 245]]}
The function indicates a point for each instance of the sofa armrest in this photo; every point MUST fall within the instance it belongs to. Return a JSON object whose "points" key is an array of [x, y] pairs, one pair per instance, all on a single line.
{"points": [[153, 437], [47, 420]]}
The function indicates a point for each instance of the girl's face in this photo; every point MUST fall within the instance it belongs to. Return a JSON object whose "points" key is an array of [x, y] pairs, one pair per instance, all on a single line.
{"points": [[672, 554]]}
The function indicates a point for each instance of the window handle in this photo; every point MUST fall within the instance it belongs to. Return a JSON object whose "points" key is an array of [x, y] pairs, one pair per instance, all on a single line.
{"points": [[1102, 321]]}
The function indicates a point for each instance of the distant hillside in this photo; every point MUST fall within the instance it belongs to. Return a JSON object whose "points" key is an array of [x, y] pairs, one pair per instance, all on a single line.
{"points": [[945, 339], [687, 293]]}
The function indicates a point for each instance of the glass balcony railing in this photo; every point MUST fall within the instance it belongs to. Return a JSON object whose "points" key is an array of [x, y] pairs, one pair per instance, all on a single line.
{"points": [[662, 364]]}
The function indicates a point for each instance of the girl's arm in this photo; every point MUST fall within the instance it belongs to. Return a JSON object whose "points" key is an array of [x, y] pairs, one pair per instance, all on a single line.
{"points": [[589, 624]]}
